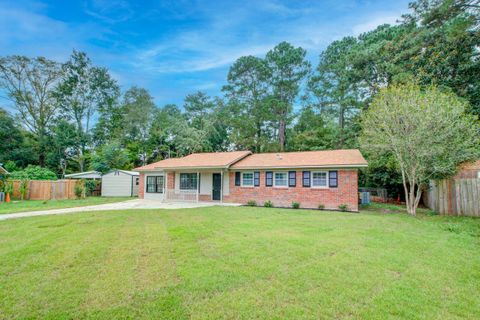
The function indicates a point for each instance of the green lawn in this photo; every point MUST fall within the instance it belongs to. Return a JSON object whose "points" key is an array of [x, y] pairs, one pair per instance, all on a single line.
{"points": [[240, 263], [34, 205]]}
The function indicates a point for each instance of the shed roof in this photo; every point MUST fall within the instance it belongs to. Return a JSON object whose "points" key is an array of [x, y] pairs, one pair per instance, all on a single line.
{"points": [[132, 173], [198, 160], [84, 175], [3, 170], [303, 159]]}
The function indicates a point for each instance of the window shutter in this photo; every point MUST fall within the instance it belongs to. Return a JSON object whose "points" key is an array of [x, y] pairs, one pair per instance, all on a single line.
{"points": [[268, 178], [333, 179], [237, 179], [256, 179], [306, 179], [292, 178]]}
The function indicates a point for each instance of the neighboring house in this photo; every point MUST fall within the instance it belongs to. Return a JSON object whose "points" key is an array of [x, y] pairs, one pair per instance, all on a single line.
{"points": [[116, 183], [120, 183], [312, 178]]}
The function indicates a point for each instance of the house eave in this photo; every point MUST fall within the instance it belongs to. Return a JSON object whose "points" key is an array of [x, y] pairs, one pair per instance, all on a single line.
{"points": [[346, 166]]}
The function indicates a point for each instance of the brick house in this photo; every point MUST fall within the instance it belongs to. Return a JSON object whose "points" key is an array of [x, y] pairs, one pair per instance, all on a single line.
{"points": [[311, 178]]}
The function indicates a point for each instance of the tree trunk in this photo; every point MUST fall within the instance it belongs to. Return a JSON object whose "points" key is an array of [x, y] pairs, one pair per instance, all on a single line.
{"points": [[281, 134]]}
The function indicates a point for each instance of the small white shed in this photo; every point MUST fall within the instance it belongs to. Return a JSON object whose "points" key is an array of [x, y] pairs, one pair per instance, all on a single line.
{"points": [[120, 183]]}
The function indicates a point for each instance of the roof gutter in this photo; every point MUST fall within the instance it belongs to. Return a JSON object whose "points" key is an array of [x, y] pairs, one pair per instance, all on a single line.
{"points": [[345, 166]]}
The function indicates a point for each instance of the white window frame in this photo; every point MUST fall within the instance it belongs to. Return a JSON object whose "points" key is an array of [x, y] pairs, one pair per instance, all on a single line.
{"points": [[326, 179], [253, 179], [478, 174], [275, 179]]}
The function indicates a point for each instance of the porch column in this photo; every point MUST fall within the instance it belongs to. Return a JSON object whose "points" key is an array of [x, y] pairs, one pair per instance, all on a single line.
{"points": [[221, 186], [198, 184]]}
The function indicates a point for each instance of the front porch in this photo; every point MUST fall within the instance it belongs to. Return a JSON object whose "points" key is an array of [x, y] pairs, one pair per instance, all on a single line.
{"points": [[207, 185]]}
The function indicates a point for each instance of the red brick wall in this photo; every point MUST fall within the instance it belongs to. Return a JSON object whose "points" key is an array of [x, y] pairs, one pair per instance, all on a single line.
{"points": [[141, 186], [170, 180], [331, 198]]}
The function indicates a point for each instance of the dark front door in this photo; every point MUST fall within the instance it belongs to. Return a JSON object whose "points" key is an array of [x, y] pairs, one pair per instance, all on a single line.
{"points": [[217, 186]]}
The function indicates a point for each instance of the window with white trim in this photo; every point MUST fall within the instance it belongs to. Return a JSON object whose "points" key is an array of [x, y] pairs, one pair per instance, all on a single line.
{"points": [[319, 179], [154, 184], [188, 181], [247, 179], [280, 179]]}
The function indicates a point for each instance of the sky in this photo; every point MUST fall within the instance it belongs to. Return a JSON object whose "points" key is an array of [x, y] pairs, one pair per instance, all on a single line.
{"points": [[173, 48]]}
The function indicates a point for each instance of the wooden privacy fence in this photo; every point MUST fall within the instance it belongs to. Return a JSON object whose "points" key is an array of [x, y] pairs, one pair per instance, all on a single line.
{"points": [[459, 197], [46, 189]]}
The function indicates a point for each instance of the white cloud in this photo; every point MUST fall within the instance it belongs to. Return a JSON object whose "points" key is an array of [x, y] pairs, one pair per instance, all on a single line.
{"points": [[374, 22]]}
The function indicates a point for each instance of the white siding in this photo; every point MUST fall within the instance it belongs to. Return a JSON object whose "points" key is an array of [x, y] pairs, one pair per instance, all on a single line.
{"points": [[226, 183], [206, 183], [117, 184]]}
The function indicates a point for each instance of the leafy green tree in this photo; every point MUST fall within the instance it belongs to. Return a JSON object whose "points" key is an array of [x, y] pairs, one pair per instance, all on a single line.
{"points": [[312, 131], [248, 92], [110, 156], [426, 131], [204, 129], [15, 145], [33, 173], [162, 132], [138, 114], [62, 146], [288, 67], [333, 85], [29, 84], [83, 89], [443, 47]]}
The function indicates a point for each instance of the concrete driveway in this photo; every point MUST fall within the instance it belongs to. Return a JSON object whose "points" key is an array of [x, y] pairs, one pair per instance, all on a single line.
{"points": [[125, 205]]}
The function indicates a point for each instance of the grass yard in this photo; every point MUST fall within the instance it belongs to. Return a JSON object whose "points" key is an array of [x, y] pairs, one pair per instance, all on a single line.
{"points": [[34, 205], [240, 263]]}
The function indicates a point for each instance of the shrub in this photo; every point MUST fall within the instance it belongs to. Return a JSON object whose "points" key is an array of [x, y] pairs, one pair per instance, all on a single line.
{"points": [[268, 204], [23, 188], [8, 187], [79, 189], [34, 173], [91, 186], [321, 206], [295, 205], [252, 203], [343, 207]]}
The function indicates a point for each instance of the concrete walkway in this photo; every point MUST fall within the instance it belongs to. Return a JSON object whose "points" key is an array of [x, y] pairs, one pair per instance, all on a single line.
{"points": [[125, 205]]}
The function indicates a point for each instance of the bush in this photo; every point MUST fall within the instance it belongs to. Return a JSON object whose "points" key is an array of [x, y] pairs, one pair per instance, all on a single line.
{"points": [[252, 203], [33, 173], [321, 206], [268, 204], [295, 205], [91, 186], [8, 187], [23, 188], [79, 189], [343, 207]]}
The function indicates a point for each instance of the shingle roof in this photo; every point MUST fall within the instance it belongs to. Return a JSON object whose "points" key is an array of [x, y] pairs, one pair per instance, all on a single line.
{"points": [[304, 159], [198, 160]]}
